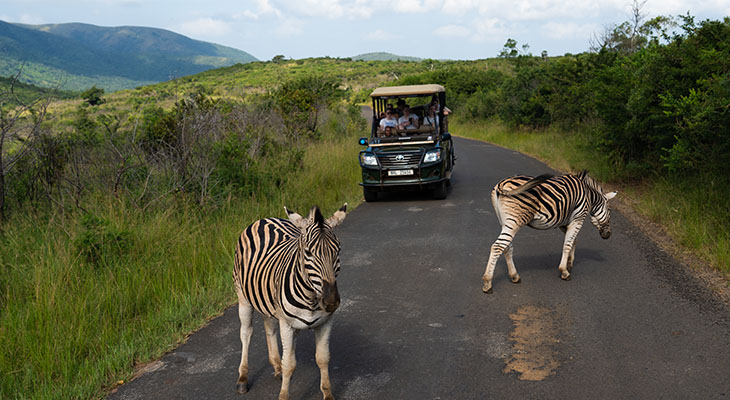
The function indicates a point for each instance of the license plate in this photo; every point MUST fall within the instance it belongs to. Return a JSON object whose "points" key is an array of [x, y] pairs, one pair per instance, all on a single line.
{"points": [[400, 172]]}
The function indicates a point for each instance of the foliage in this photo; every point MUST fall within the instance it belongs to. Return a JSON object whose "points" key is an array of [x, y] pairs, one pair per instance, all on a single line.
{"points": [[93, 96], [106, 204], [25, 93], [301, 100]]}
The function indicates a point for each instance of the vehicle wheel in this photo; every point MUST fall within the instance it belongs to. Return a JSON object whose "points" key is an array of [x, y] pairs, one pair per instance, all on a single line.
{"points": [[441, 191], [370, 194]]}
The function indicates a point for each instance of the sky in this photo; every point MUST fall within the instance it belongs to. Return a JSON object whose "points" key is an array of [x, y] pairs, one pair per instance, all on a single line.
{"points": [[438, 29]]}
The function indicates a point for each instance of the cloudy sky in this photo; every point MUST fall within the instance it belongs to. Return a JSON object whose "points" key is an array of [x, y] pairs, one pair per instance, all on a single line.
{"points": [[441, 29]]}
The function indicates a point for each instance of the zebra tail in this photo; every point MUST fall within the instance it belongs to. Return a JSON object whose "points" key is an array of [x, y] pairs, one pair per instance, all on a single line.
{"points": [[526, 186]]}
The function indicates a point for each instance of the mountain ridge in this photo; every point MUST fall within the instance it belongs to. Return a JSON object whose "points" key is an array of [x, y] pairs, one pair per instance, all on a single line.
{"points": [[77, 56], [384, 56]]}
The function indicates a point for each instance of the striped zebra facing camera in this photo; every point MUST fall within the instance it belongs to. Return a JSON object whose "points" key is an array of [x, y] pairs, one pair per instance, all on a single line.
{"points": [[545, 202], [286, 269]]}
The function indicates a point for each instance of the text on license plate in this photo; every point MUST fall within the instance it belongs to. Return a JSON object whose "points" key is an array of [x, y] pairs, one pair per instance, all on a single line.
{"points": [[400, 172]]}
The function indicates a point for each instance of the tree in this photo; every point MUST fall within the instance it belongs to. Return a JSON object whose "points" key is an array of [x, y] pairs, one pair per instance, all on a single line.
{"points": [[93, 96], [510, 50], [20, 125]]}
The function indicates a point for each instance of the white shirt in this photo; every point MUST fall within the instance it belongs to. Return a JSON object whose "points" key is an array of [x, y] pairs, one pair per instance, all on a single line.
{"points": [[429, 121], [388, 122], [404, 119]]}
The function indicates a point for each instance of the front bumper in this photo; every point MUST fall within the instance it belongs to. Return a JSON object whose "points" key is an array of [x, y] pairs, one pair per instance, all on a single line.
{"points": [[423, 176]]}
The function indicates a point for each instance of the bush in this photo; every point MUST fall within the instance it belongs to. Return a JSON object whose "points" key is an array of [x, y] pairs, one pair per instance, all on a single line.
{"points": [[99, 242]]}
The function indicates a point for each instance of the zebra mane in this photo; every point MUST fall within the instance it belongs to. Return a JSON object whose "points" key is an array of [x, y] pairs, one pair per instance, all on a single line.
{"points": [[318, 218], [589, 181]]}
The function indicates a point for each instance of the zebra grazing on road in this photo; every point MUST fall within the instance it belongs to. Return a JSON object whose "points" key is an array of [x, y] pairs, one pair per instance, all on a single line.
{"points": [[546, 202], [287, 270]]}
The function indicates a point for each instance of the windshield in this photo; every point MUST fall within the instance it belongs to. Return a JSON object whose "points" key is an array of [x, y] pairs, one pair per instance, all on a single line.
{"points": [[414, 116]]}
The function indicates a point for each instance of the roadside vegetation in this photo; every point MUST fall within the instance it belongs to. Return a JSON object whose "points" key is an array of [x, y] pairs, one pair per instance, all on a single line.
{"points": [[119, 224], [648, 110], [119, 211]]}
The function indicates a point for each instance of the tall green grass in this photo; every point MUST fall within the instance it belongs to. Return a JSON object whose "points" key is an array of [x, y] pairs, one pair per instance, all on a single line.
{"points": [[85, 300], [694, 210]]}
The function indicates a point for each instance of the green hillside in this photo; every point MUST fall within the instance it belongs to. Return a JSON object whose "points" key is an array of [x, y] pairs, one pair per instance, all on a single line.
{"points": [[383, 56], [25, 93], [77, 56]]}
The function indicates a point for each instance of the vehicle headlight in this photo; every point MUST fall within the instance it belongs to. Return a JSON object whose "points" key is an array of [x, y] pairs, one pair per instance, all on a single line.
{"points": [[368, 159], [432, 156]]}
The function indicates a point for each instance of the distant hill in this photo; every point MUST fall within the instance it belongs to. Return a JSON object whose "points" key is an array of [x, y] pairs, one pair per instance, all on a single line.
{"points": [[382, 56], [13, 92], [78, 56]]}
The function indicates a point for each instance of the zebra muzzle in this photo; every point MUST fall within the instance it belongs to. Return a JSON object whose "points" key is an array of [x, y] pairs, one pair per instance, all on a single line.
{"points": [[330, 297]]}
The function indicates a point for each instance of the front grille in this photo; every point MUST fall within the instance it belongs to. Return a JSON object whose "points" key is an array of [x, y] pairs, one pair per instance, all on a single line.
{"points": [[400, 159]]}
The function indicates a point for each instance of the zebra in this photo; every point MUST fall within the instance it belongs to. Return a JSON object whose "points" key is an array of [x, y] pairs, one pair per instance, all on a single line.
{"points": [[286, 270], [545, 202]]}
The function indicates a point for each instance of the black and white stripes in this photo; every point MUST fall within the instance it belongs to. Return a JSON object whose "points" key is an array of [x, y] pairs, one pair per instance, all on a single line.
{"points": [[546, 202], [287, 271]]}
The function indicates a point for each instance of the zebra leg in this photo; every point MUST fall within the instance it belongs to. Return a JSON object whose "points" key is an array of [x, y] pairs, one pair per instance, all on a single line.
{"points": [[503, 243], [513, 275], [273, 345], [322, 355], [571, 256], [245, 312], [569, 247], [288, 359]]}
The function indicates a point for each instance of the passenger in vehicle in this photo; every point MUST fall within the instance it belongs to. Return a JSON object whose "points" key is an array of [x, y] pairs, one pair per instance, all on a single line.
{"points": [[389, 131], [401, 105], [408, 120], [389, 120], [435, 100], [431, 119]]}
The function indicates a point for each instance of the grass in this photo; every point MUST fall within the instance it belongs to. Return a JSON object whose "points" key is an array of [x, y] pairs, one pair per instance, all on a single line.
{"points": [[83, 303], [693, 210]]}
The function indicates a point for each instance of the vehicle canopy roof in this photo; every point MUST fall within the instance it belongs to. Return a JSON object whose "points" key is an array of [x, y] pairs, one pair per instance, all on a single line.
{"points": [[410, 90]]}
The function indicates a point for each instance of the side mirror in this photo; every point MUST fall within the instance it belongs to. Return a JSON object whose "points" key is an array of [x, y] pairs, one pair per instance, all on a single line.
{"points": [[446, 136], [363, 141]]}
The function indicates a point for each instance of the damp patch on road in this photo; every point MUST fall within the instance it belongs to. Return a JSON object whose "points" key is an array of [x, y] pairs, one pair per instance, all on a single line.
{"points": [[536, 340], [363, 387]]}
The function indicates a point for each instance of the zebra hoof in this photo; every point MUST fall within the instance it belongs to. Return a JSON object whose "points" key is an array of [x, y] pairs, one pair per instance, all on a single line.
{"points": [[565, 277], [516, 279], [487, 290], [242, 387]]}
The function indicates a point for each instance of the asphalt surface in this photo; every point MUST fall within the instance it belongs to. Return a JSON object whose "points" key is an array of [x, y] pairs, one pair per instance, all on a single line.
{"points": [[414, 323]]}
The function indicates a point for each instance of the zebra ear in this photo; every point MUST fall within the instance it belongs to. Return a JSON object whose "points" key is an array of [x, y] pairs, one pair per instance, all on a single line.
{"points": [[338, 217], [610, 195], [297, 219]]}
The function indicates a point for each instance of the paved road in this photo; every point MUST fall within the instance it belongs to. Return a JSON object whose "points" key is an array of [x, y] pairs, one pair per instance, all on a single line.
{"points": [[414, 323]]}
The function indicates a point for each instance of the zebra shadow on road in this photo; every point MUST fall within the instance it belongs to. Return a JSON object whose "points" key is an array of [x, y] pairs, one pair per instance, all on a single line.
{"points": [[586, 261], [358, 365]]}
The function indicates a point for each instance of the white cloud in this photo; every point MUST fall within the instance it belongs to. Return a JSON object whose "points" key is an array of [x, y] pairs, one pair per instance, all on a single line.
{"points": [[289, 27], [451, 31], [31, 19], [562, 30], [408, 6], [381, 35], [492, 30], [263, 8], [460, 7], [205, 27]]}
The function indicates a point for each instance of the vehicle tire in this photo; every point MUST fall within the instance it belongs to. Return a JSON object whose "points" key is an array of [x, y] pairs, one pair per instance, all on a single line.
{"points": [[441, 190], [370, 194]]}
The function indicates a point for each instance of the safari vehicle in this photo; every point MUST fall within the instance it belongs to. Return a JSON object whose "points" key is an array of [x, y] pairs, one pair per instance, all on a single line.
{"points": [[419, 156]]}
